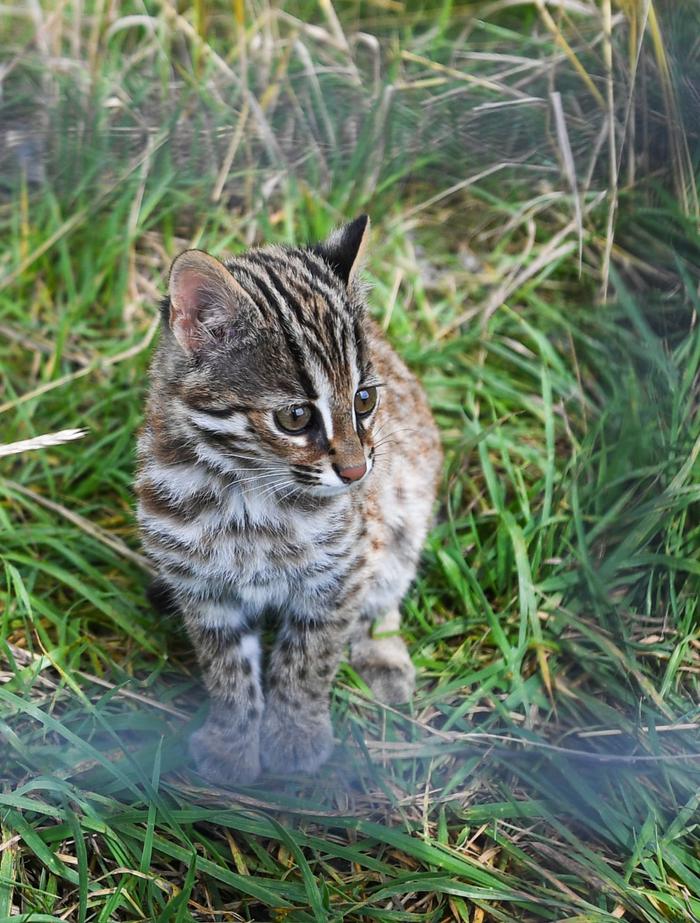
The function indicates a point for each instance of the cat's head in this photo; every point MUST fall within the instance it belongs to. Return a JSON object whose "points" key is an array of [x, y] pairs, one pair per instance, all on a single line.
{"points": [[269, 360]]}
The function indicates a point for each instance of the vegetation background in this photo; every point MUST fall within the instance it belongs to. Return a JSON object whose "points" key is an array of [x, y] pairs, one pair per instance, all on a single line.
{"points": [[531, 170]]}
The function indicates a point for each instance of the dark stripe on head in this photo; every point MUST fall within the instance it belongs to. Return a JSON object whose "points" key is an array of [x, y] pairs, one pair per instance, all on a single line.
{"points": [[332, 324], [292, 343], [318, 268], [213, 439], [306, 324], [222, 412], [360, 346], [312, 269]]}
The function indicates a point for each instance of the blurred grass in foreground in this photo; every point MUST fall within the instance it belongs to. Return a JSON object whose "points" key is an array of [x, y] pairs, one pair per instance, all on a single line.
{"points": [[519, 162]]}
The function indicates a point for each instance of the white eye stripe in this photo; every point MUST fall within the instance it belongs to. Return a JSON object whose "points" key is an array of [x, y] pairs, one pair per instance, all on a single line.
{"points": [[299, 438], [229, 426], [324, 409]]}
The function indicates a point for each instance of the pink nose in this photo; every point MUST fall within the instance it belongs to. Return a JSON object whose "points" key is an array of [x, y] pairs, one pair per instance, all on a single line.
{"points": [[348, 475]]}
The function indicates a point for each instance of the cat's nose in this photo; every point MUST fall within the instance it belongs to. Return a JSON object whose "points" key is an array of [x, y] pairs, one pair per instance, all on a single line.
{"points": [[348, 475]]}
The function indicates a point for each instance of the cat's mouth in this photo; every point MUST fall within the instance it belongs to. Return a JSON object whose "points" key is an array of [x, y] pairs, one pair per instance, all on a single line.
{"points": [[332, 483]]}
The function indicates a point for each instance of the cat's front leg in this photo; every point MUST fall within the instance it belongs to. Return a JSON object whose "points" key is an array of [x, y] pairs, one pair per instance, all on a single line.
{"points": [[297, 735], [226, 749], [380, 656]]}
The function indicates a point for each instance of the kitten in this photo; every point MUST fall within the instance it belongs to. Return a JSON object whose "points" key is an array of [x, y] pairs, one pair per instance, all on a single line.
{"points": [[288, 465]]}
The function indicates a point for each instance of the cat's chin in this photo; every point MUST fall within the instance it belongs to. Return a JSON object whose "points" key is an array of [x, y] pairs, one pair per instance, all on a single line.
{"points": [[326, 490]]}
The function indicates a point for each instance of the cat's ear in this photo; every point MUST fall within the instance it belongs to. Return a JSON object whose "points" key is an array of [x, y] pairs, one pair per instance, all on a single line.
{"points": [[204, 299], [344, 249]]}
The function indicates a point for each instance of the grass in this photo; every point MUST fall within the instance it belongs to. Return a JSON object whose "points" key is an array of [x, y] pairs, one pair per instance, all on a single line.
{"points": [[537, 263]]}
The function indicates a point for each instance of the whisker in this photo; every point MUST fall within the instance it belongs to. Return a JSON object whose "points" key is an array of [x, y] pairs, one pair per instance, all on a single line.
{"points": [[247, 458], [259, 477], [268, 487], [278, 485], [401, 429], [292, 490], [256, 471]]}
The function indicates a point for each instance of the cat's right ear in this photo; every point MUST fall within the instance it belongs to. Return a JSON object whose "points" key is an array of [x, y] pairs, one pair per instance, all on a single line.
{"points": [[344, 249], [204, 299]]}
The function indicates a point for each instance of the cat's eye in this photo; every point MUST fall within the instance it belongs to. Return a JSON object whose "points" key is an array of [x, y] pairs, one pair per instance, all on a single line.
{"points": [[365, 401], [294, 419]]}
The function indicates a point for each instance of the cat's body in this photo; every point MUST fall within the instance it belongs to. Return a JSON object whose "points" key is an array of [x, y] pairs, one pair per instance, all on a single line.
{"points": [[320, 523]]}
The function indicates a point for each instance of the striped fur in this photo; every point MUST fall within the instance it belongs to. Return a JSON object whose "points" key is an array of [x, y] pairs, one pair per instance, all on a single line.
{"points": [[243, 519]]}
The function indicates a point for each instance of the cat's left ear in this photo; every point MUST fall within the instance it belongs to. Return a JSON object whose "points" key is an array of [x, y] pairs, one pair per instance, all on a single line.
{"points": [[344, 249]]}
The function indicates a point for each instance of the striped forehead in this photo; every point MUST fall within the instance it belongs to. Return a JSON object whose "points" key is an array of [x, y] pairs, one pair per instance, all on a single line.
{"points": [[296, 292]]}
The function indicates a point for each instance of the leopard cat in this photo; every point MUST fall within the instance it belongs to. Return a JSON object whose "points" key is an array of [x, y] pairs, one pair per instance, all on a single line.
{"points": [[287, 469]]}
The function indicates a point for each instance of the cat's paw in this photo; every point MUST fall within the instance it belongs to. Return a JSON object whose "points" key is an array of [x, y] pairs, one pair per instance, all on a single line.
{"points": [[225, 757], [294, 741], [389, 674]]}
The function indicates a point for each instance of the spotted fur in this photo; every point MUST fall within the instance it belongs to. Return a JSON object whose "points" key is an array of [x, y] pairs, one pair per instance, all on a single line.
{"points": [[243, 519]]}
